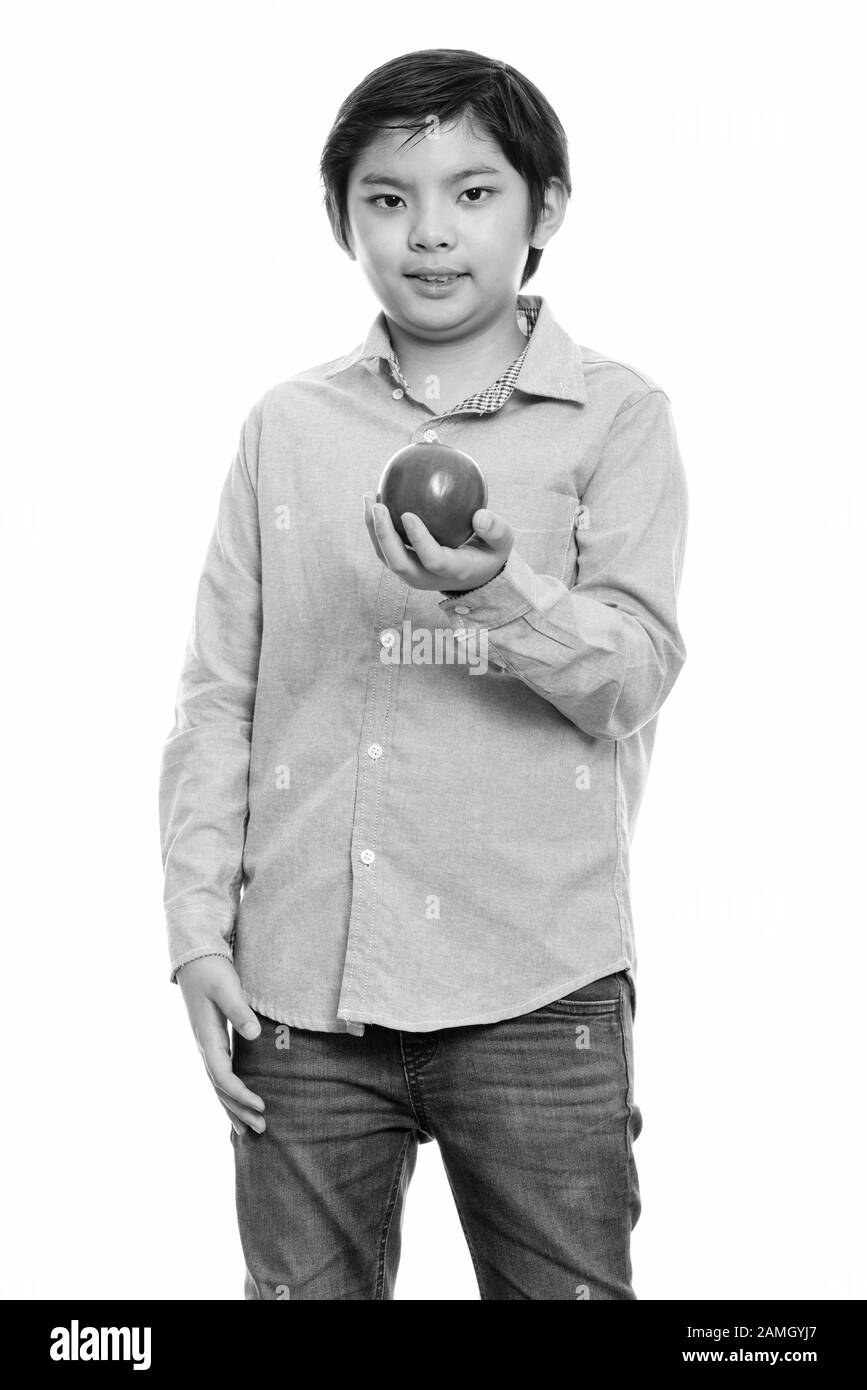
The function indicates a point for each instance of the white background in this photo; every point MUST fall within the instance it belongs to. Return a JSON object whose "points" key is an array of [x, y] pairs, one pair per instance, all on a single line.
{"points": [[167, 258]]}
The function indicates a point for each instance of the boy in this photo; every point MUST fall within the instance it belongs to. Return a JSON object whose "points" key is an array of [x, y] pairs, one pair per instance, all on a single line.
{"points": [[398, 866]]}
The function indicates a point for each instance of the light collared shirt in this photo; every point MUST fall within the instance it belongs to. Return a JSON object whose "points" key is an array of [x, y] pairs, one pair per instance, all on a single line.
{"points": [[392, 807]]}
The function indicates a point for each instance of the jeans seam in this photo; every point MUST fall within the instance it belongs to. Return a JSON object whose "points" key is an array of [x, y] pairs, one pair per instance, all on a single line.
{"points": [[627, 1208], [389, 1213], [411, 1080]]}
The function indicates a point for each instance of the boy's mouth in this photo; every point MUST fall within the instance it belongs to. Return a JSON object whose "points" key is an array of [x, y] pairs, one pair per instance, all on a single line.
{"points": [[438, 279]]}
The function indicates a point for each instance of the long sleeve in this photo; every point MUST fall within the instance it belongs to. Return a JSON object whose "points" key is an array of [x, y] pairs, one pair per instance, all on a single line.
{"points": [[204, 770], [606, 652]]}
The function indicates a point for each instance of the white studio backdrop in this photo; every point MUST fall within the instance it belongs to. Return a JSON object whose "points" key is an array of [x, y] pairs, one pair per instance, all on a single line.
{"points": [[167, 258]]}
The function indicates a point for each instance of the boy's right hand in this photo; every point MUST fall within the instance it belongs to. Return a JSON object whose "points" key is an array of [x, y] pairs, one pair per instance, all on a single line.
{"points": [[213, 995]]}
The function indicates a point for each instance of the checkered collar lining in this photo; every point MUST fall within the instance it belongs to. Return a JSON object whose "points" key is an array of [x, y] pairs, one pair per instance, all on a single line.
{"points": [[493, 397]]}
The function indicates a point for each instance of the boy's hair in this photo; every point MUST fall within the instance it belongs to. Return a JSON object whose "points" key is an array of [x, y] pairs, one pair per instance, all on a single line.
{"points": [[449, 83]]}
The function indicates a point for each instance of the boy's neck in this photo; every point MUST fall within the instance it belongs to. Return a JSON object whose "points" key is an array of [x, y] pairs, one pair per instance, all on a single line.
{"points": [[462, 366]]}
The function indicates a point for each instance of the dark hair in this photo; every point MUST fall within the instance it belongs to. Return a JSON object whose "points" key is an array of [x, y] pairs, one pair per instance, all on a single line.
{"points": [[449, 83]]}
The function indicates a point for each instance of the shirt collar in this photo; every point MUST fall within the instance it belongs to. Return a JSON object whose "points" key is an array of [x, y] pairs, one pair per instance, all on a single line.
{"points": [[552, 363]]}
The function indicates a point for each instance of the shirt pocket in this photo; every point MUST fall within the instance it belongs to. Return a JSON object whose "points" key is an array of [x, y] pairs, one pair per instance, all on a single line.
{"points": [[544, 524]]}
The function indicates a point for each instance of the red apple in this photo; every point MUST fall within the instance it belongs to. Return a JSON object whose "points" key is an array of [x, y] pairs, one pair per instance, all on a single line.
{"points": [[440, 484]]}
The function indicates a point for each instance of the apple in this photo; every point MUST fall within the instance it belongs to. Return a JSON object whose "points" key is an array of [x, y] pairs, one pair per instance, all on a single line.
{"points": [[440, 484]]}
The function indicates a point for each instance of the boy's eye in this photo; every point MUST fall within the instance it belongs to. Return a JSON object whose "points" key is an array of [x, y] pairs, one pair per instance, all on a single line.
{"points": [[379, 196]]}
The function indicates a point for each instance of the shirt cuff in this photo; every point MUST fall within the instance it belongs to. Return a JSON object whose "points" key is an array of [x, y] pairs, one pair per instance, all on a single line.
{"points": [[507, 596], [173, 977], [194, 932]]}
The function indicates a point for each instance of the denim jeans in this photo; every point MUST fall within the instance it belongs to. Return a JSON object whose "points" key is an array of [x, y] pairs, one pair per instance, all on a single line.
{"points": [[535, 1119]]}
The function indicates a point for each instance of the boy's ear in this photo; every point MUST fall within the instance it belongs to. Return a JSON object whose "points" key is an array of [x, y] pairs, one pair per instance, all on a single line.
{"points": [[556, 203]]}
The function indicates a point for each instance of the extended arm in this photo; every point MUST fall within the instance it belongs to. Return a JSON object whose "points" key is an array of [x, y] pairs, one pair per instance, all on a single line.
{"points": [[205, 763], [607, 651]]}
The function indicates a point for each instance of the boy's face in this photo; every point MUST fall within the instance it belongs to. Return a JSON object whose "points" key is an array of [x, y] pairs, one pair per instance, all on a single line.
{"points": [[447, 198]]}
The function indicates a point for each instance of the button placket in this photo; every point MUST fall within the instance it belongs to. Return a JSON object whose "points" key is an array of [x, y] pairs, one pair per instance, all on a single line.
{"points": [[372, 749]]}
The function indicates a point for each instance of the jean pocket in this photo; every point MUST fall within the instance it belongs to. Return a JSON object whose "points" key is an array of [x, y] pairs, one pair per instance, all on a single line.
{"points": [[600, 996]]}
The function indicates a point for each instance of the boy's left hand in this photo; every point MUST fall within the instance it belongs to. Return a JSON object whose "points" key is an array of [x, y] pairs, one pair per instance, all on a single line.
{"points": [[435, 566]]}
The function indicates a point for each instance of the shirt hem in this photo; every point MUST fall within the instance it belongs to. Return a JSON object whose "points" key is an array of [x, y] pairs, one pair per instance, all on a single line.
{"points": [[339, 1024]]}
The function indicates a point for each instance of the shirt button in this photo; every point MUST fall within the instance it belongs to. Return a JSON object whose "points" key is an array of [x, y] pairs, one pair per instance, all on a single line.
{"points": [[397, 393], [374, 751], [387, 638], [430, 436], [367, 856], [461, 608]]}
